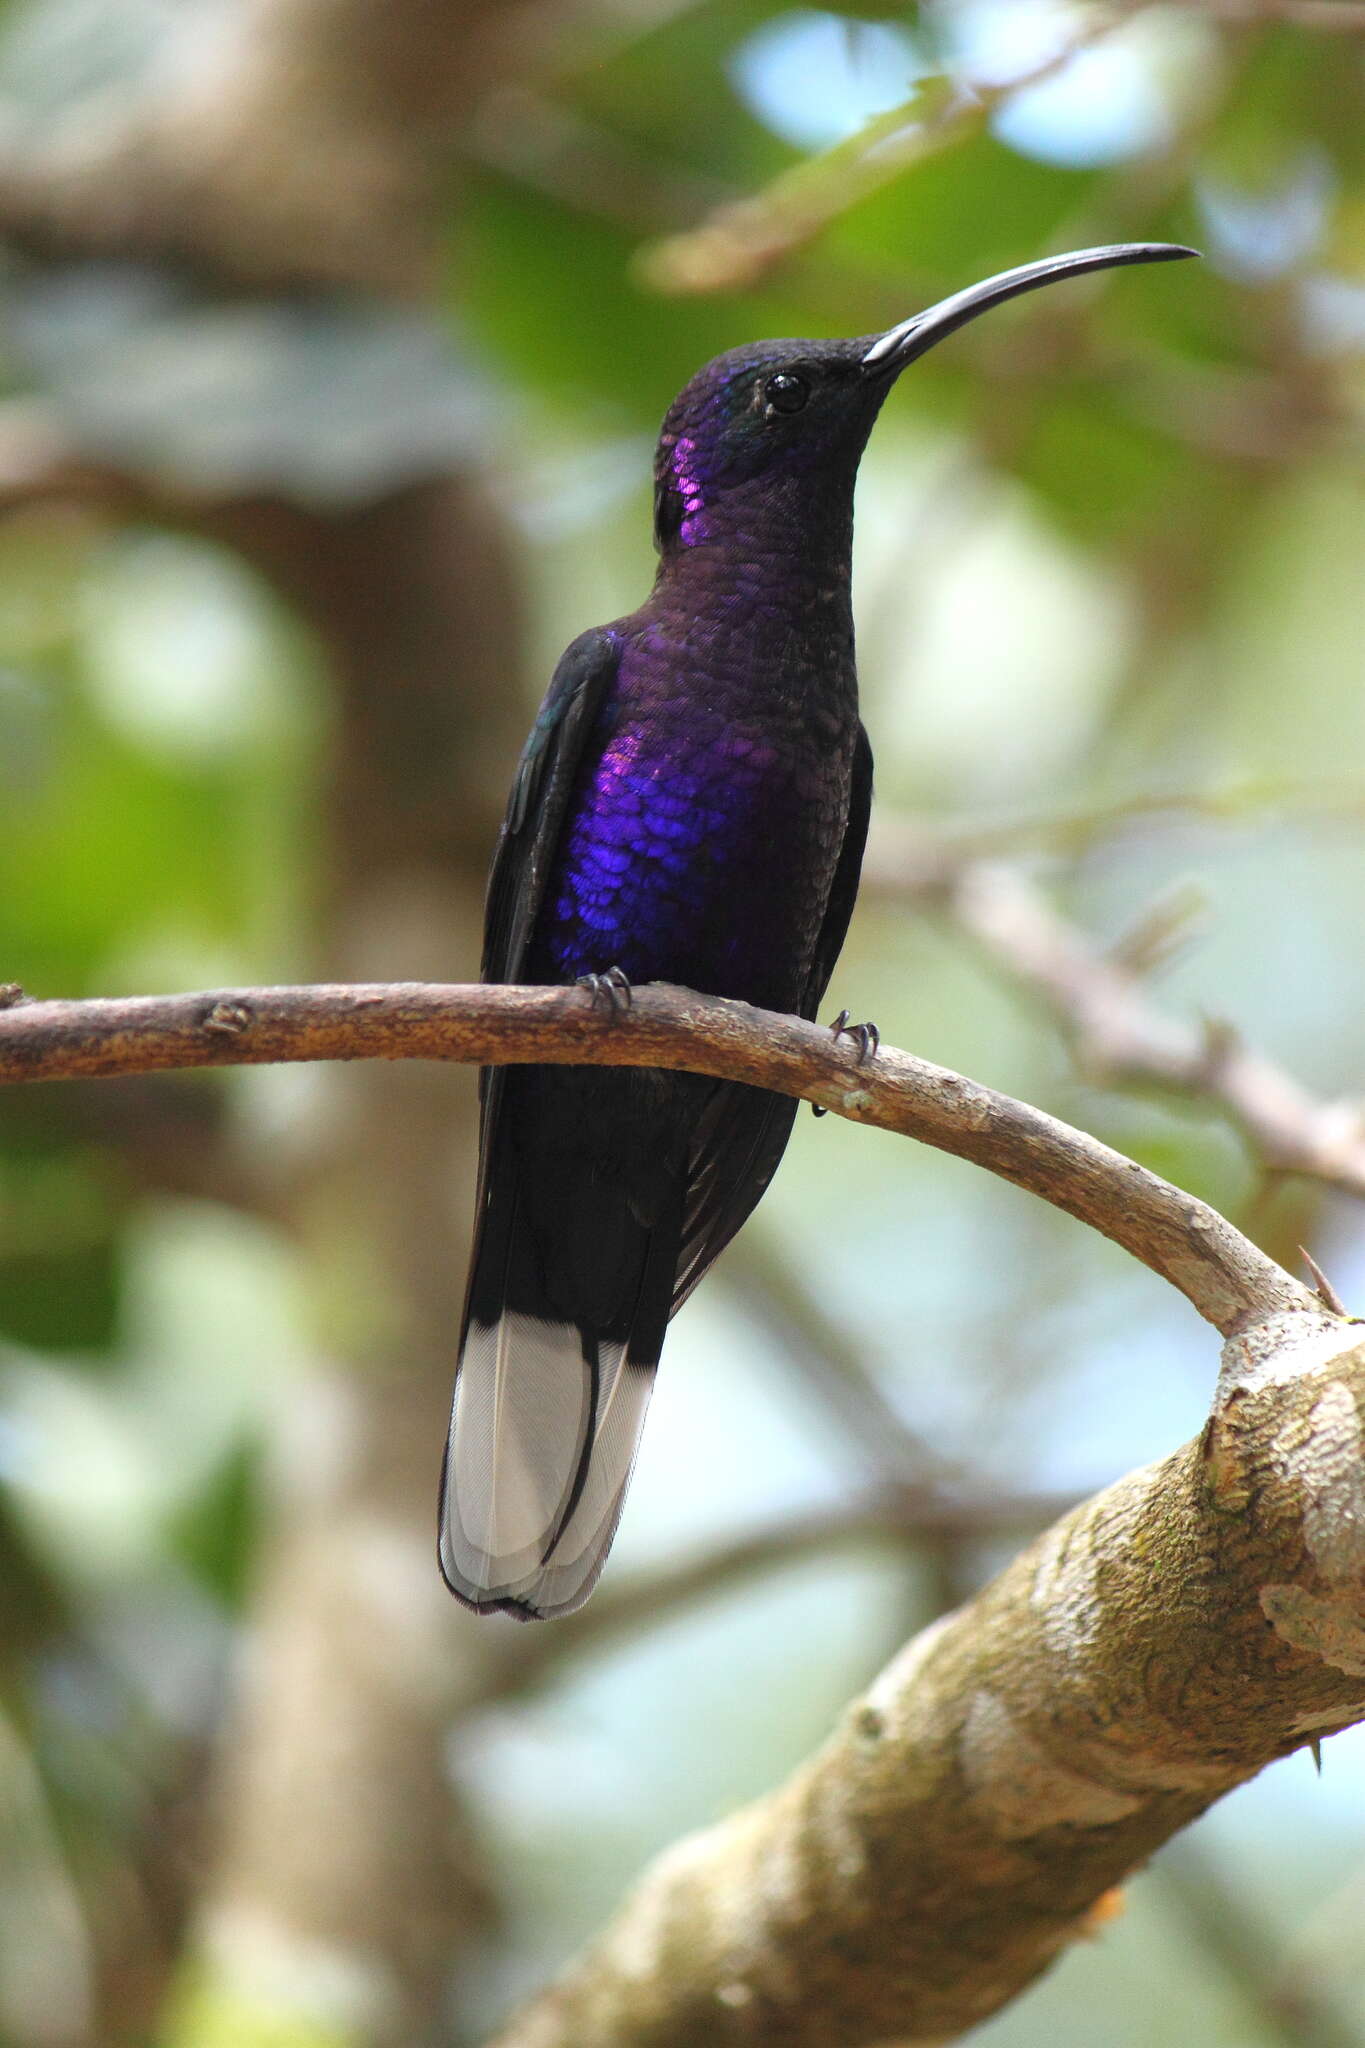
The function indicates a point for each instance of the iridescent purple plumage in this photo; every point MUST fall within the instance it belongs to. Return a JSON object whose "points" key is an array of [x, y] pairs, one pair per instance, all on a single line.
{"points": [[701, 840], [686, 473]]}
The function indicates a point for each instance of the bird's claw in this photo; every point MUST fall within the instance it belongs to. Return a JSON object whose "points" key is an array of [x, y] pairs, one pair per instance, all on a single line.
{"points": [[869, 1043], [611, 987], [868, 1037]]}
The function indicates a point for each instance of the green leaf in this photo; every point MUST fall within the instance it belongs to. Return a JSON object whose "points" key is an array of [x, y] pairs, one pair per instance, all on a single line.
{"points": [[214, 1533]]}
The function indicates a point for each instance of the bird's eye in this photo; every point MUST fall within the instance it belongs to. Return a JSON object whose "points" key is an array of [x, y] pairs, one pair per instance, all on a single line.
{"points": [[785, 392]]}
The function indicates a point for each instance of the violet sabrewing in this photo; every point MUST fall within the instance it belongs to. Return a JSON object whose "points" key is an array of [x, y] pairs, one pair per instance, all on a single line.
{"points": [[691, 807]]}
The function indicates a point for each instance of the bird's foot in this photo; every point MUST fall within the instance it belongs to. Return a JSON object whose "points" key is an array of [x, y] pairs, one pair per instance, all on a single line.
{"points": [[869, 1043], [868, 1037], [611, 987]]}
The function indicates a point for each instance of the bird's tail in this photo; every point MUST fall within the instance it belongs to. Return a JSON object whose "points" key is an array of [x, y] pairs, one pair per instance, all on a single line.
{"points": [[547, 1418]]}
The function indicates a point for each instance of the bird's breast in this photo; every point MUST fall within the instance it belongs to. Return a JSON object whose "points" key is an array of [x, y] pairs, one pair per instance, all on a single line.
{"points": [[702, 838]]}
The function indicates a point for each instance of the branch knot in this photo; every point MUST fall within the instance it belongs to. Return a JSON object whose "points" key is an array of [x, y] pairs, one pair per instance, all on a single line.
{"points": [[229, 1018]]}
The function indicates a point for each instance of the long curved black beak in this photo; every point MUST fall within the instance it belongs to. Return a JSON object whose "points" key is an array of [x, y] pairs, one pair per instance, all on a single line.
{"points": [[891, 351]]}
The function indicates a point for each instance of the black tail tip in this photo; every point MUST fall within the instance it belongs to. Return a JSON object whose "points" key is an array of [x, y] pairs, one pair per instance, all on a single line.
{"points": [[486, 1603]]}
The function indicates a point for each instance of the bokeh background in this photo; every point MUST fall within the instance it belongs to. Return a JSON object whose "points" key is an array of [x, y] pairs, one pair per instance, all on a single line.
{"points": [[334, 335]]}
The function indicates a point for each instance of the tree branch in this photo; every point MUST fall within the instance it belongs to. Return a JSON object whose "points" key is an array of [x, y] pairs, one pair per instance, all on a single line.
{"points": [[831, 1363], [742, 240], [1157, 1647], [1227, 1279], [1119, 1036]]}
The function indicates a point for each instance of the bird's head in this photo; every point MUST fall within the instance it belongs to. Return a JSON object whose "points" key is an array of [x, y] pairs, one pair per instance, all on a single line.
{"points": [[797, 414]]}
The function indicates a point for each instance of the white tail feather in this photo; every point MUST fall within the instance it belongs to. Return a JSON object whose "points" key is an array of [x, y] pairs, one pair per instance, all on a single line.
{"points": [[523, 1406]]}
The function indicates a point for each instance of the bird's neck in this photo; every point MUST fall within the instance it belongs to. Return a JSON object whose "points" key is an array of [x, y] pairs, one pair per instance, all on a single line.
{"points": [[782, 554]]}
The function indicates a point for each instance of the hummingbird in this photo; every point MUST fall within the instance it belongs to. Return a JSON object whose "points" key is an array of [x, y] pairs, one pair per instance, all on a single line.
{"points": [[691, 806]]}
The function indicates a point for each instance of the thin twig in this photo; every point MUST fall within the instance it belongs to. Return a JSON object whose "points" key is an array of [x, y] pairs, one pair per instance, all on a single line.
{"points": [[1211, 1906], [828, 1359], [901, 1515], [1120, 1037], [744, 239], [1229, 1281]]}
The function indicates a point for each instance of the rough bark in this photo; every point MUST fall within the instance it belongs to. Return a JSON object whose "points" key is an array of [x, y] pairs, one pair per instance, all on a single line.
{"points": [[1154, 1649]]}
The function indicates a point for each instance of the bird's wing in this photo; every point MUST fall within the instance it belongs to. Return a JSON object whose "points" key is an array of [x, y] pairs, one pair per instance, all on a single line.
{"points": [[744, 1131], [529, 839], [526, 849], [844, 889], [739, 1144], [541, 789]]}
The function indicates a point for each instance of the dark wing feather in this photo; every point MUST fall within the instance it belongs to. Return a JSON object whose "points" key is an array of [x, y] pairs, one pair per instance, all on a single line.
{"points": [[844, 888], [541, 789], [739, 1144], [744, 1131], [529, 840]]}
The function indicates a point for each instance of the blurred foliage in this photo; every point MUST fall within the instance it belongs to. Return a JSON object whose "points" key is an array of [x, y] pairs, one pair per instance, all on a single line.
{"points": [[1110, 549]]}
